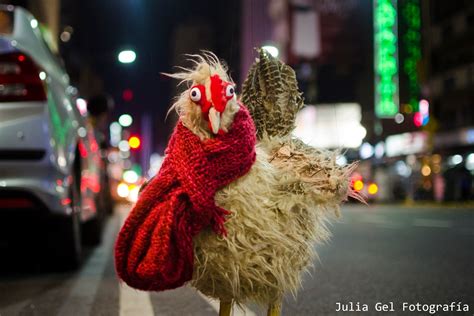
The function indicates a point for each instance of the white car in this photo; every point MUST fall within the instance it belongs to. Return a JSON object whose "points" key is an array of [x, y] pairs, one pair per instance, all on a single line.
{"points": [[49, 158]]}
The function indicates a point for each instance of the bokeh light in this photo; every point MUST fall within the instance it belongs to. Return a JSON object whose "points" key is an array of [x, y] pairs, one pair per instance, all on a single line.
{"points": [[134, 142]]}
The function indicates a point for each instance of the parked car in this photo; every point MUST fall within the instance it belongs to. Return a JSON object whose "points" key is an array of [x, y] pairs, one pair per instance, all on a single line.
{"points": [[49, 158]]}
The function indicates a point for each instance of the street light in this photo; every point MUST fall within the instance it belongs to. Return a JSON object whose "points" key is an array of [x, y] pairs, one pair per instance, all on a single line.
{"points": [[272, 50], [125, 120], [127, 56]]}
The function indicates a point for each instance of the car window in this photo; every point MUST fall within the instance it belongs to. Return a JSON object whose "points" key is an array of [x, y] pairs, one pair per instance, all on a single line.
{"points": [[6, 22], [56, 57]]}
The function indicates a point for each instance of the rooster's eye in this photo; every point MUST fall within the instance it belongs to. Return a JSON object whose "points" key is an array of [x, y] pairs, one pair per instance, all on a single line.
{"points": [[195, 94], [229, 91]]}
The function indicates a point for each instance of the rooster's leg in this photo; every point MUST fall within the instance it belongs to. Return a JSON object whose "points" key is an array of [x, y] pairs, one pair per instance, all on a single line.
{"points": [[225, 308], [274, 309]]}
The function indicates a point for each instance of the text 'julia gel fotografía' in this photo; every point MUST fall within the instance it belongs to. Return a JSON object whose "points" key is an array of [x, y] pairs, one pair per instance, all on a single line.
{"points": [[403, 307]]}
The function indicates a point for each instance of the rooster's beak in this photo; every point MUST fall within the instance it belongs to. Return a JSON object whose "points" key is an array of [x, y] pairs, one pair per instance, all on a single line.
{"points": [[215, 120]]}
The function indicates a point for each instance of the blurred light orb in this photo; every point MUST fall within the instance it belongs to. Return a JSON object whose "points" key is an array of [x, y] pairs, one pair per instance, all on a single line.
{"points": [[272, 50], [124, 155], [426, 170], [470, 162], [134, 142], [455, 160], [127, 56], [122, 190], [115, 128], [358, 185], [127, 95], [134, 192], [418, 119], [123, 145], [436, 158], [373, 189], [424, 107], [34, 23], [130, 176], [81, 105], [366, 151], [65, 37], [125, 120], [82, 132], [341, 160], [155, 163], [379, 150], [399, 118], [402, 169], [470, 136]]}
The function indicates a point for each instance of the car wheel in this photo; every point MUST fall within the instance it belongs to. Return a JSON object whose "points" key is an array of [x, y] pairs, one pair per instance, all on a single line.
{"points": [[66, 234]]}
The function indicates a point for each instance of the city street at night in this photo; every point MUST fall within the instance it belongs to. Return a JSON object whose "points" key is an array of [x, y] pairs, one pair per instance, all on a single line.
{"points": [[377, 254]]}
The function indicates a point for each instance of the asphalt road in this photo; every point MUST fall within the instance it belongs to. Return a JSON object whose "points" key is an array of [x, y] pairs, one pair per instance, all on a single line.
{"points": [[379, 254]]}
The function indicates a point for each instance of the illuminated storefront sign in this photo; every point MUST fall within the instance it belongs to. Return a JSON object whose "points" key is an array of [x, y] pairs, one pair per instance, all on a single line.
{"points": [[411, 39], [406, 144], [331, 125], [386, 58]]}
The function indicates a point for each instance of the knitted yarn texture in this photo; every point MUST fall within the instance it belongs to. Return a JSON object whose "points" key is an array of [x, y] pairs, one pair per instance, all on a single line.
{"points": [[154, 249]]}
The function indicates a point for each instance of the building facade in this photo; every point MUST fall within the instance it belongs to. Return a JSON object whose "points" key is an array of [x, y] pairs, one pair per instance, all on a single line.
{"points": [[449, 50]]}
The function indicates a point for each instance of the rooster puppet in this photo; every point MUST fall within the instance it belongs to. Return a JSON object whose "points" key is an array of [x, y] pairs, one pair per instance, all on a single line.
{"points": [[238, 203]]}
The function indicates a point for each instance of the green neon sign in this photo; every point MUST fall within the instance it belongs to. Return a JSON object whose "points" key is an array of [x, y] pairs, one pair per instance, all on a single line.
{"points": [[386, 58], [411, 17]]}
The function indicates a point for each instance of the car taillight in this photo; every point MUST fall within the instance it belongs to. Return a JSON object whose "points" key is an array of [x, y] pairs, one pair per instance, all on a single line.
{"points": [[20, 79], [14, 203]]}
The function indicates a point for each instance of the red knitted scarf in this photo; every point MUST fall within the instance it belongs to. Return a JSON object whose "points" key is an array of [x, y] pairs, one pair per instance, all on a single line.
{"points": [[154, 249]]}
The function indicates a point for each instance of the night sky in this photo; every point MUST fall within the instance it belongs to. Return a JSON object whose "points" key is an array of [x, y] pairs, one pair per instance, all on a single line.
{"points": [[156, 30]]}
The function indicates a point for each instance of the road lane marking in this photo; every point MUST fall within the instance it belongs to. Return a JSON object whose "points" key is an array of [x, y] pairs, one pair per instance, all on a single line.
{"points": [[236, 310], [437, 223], [84, 290], [132, 302], [214, 303], [380, 221]]}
